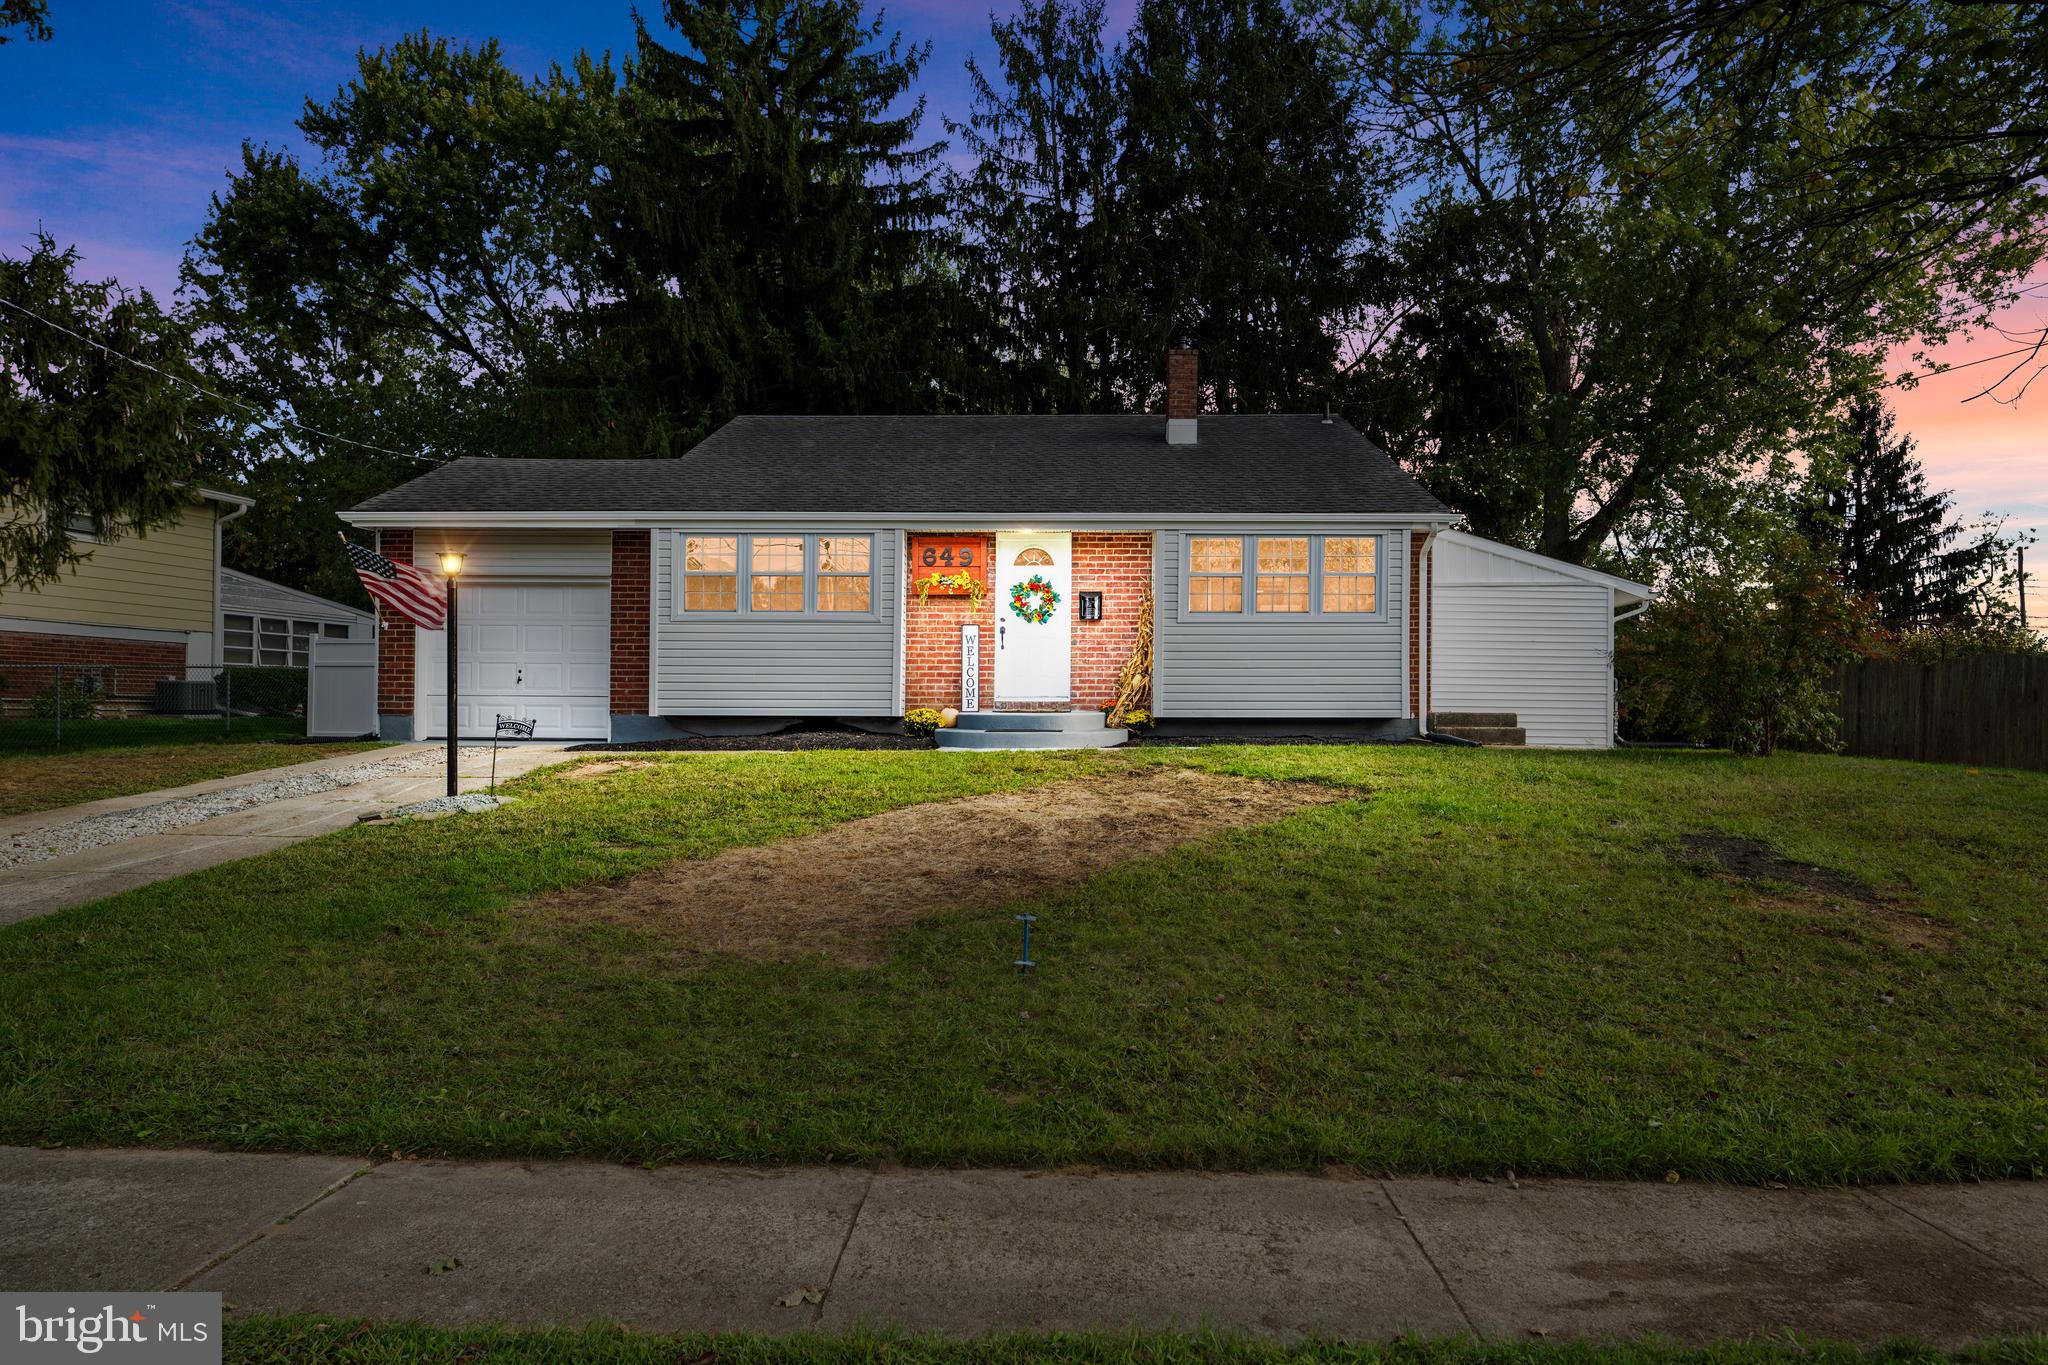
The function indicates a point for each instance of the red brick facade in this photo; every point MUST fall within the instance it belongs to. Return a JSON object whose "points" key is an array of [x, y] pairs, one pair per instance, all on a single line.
{"points": [[931, 641], [1119, 566], [394, 637], [1416, 540], [126, 671], [632, 570], [1116, 564]]}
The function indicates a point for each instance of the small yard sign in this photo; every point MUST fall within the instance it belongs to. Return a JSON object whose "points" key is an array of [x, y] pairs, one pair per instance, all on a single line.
{"points": [[970, 668], [949, 566]]}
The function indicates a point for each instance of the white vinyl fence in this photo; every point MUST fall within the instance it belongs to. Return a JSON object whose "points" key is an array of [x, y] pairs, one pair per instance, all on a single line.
{"points": [[341, 689]]}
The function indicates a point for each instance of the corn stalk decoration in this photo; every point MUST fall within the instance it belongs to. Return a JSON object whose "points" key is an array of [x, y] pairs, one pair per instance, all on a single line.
{"points": [[1134, 684]]}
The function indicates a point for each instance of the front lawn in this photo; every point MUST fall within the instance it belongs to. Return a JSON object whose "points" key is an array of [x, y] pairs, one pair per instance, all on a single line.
{"points": [[1473, 961], [119, 758], [330, 1341]]}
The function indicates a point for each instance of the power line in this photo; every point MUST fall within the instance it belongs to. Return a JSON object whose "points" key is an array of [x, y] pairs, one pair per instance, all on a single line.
{"points": [[261, 416]]}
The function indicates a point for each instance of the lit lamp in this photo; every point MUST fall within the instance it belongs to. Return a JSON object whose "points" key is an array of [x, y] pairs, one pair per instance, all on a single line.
{"points": [[451, 565]]}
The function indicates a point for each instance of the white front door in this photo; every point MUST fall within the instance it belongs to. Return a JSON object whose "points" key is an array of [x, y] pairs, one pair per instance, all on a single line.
{"points": [[533, 651], [1034, 659]]}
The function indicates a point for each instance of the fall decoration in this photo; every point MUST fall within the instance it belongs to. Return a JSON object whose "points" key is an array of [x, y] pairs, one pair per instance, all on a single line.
{"points": [[1034, 599], [1134, 684]]}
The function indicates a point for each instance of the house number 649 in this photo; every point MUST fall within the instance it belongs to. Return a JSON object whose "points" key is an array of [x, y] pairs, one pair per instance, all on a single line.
{"points": [[934, 557]]}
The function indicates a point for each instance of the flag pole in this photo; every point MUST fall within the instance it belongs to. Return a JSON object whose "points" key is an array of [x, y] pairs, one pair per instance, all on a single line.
{"points": [[454, 714]]}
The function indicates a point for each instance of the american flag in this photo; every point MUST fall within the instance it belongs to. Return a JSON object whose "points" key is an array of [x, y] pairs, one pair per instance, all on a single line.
{"points": [[407, 589]]}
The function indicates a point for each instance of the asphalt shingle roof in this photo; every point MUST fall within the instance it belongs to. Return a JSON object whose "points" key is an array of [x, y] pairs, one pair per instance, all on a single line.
{"points": [[966, 464]]}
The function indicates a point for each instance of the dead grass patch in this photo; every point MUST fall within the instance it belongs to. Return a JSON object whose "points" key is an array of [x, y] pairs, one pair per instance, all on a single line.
{"points": [[1822, 891], [839, 891], [590, 772]]}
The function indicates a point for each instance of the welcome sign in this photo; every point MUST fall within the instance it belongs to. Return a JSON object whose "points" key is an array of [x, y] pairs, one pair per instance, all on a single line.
{"points": [[161, 1329]]}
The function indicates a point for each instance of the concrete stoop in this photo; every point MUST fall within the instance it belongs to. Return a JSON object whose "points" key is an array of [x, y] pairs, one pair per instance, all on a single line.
{"points": [[995, 730], [1481, 727]]}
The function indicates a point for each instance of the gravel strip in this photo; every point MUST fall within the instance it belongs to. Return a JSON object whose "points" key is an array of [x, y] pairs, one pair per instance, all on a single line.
{"points": [[469, 801], [97, 831]]}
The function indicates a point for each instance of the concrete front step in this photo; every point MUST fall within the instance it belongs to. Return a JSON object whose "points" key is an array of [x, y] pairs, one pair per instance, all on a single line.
{"points": [[1485, 734], [1099, 738], [1451, 721], [1032, 720]]}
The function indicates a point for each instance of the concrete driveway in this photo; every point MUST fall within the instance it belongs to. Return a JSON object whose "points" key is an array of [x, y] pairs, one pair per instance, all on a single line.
{"points": [[135, 840]]}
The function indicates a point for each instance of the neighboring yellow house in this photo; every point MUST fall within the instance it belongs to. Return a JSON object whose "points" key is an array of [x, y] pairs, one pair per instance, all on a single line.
{"points": [[141, 606]]}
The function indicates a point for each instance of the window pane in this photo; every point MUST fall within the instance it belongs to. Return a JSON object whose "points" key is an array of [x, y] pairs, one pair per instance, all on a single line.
{"points": [[842, 554], [778, 555], [1350, 592], [272, 627], [305, 627], [334, 630], [279, 656], [711, 554], [1283, 554], [778, 592], [238, 655], [1216, 554], [711, 592], [1350, 554], [1282, 592], [237, 623], [1215, 593], [843, 594]]}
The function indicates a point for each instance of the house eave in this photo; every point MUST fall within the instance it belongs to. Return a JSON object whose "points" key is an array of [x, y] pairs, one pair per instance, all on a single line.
{"points": [[935, 521]]}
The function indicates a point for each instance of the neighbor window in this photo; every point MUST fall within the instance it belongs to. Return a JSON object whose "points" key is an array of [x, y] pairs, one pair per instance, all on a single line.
{"points": [[775, 573], [238, 639], [246, 640], [711, 573], [1283, 574], [1351, 573], [1216, 574], [845, 573]]}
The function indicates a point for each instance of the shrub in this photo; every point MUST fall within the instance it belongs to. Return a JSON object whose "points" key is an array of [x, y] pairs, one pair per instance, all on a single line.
{"points": [[271, 691], [81, 698], [1743, 655], [921, 720]]}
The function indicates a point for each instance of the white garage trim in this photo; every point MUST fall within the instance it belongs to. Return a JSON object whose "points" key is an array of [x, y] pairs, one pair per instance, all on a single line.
{"points": [[1515, 631]]}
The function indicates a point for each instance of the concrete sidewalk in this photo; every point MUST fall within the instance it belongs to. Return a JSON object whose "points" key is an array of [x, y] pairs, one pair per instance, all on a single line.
{"points": [[965, 1252], [39, 888]]}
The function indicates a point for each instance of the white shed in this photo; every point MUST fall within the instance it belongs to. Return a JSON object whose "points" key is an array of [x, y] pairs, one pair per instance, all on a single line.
{"points": [[1512, 631]]}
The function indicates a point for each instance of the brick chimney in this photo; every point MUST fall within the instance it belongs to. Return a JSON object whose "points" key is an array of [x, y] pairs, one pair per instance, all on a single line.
{"points": [[1182, 368]]}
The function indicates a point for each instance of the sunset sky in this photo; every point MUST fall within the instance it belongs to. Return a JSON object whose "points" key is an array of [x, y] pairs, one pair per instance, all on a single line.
{"points": [[113, 136]]}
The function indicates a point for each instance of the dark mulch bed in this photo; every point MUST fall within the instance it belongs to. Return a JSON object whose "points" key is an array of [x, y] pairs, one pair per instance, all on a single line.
{"points": [[795, 738], [1200, 741]]}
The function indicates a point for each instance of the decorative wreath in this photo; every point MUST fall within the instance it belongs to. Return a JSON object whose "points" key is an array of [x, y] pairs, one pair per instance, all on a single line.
{"points": [[1034, 599]]}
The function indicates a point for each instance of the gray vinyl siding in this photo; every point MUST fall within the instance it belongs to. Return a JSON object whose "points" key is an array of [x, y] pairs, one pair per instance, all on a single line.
{"points": [[1280, 667], [1510, 633], [741, 665]]}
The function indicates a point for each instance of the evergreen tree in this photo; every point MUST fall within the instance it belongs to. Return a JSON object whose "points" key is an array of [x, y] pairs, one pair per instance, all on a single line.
{"points": [[774, 218], [100, 427], [1252, 205], [1892, 538], [1038, 211]]}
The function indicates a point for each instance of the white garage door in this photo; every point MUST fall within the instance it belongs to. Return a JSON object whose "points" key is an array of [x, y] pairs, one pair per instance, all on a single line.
{"points": [[537, 651]]}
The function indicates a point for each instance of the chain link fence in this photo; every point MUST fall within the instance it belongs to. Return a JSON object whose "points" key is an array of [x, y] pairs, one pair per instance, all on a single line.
{"points": [[47, 707]]}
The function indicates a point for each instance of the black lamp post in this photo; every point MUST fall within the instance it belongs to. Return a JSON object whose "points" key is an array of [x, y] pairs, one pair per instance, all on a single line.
{"points": [[451, 565]]}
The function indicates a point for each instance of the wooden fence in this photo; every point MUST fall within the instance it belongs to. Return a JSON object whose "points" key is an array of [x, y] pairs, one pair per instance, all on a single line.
{"points": [[1989, 709]]}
